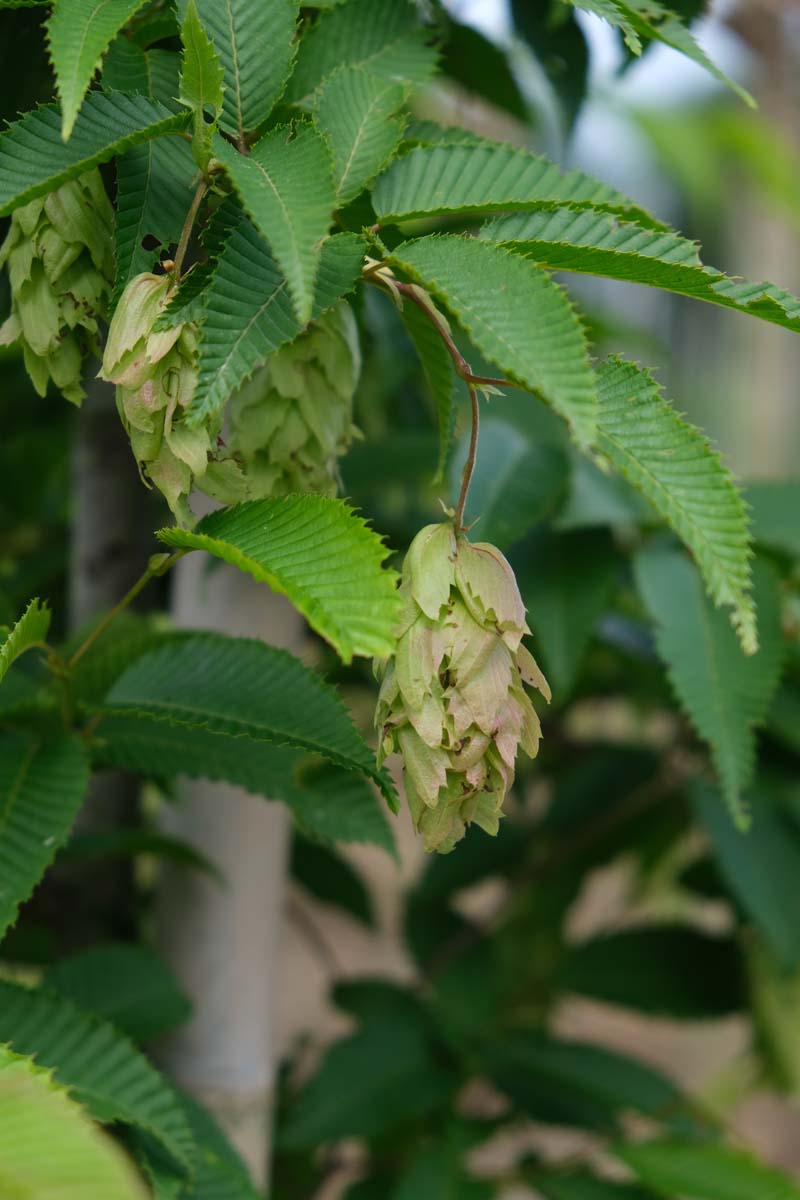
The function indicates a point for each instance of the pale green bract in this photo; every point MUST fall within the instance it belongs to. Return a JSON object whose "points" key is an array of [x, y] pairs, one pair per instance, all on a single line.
{"points": [[453, 701], [290, 424], [156, 375], [60, 258]]}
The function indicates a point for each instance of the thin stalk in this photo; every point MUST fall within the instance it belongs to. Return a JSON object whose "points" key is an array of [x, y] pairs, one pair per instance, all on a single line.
{"points": [[463, 369], [469, 465], [188, 225], [159, 564]]}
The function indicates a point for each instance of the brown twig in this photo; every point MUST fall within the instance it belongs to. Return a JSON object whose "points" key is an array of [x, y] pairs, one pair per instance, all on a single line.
{"points": [[463, 369], [469, 465], [159, 564], [188, 226]]}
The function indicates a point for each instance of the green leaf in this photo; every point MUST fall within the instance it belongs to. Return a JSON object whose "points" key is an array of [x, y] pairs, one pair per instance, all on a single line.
{"points": [[42, 786], [249, 313], [725, 694], [392, 1076], [154, 180], [201, 87], [29, 632], [515, 484], [78, 34], [255, 43], [759, 868], [34, 160], [437, 367], [286, 186], [485, 177], [153, 73], [516, 316], [774, 504], [153, 198], [102, 1069], [650, 21], [673, 465], [670, 970], [356, 113], [244, 689], [566, 582], [329, 878], [705, 1172], [593, 243], [483, 68], [440, 1171], [126, 985], [48, 1146], [580, 1185], [559, 44], [575, 1083], [316, 551], [382, 36], [328, 803]]}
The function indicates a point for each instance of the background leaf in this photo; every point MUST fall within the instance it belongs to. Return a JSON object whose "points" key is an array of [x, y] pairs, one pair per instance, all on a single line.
{"points": [[330, 879], [515, 485], [705, 1172], [78, 33], [758, 867], [126, 985], [575, 1083], [437, 367], [566, 582], [516, 316], [316, 551], [725, 694], [671, 970], [42, 786]]}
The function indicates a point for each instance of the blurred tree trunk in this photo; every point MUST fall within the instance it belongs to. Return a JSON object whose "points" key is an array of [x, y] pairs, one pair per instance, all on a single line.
{"points": [[111, 536], [223, 940], [765, 361]]}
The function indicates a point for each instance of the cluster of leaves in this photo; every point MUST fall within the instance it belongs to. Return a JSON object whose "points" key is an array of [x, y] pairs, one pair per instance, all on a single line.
{"points": [[293, 130]]}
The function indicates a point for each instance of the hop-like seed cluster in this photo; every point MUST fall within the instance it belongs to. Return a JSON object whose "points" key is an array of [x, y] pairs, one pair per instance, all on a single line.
{"points": [[289, 425], [60, 258], [156, 374], [453, 701]]}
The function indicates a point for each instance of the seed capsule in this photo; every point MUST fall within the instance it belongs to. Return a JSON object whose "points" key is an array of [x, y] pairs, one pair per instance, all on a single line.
{"points": [[60, 259], [453, 701]]}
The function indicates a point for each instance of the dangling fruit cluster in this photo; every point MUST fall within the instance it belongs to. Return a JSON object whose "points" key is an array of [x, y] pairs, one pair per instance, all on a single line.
{"points": [[453, 701], [155, 372], [289, 425], [60, 258]]}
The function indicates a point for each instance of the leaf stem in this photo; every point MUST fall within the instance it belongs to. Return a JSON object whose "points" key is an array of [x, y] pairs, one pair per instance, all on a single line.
{"points": [[159, 564], [469, 465], [463, 369], [188, 225]]}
